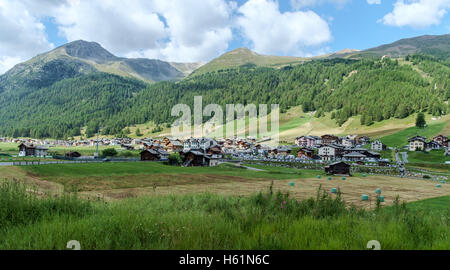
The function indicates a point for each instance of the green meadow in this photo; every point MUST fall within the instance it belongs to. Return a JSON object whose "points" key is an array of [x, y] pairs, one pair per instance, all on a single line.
{"points": [[434, 156], [400, 139], [130, 168], [266, 220]]}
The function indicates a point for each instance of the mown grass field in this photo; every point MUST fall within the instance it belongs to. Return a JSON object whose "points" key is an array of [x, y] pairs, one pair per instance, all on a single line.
{"points": [[188, 222], [113, 181]]}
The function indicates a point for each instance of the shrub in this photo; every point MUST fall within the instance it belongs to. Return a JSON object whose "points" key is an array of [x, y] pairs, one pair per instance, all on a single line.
{"points": [[110, 152], [175, 159]]}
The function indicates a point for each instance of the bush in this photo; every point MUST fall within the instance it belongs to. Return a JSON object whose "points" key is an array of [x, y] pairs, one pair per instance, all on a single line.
{"points": [[110, 152], [175, 159]]}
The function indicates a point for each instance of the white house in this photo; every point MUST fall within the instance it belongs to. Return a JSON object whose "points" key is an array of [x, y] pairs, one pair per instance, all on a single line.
{"points": [[417, 143], [330, 152], [377, 145]]}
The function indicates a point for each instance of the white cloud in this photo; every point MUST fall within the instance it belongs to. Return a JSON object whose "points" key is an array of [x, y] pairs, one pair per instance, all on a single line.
{"points": [[417, 13], [172, 30], [21, 35], [374, 2], [273, 32], [120, 26], [198, 30], [299, 4]]}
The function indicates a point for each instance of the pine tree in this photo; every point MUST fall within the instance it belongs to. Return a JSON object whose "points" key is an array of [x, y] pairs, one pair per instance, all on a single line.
{"points": [[420, 120], [138, 132], [363, 119]]}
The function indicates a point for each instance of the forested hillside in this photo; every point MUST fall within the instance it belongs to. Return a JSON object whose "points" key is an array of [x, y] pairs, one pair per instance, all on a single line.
{"points": [[435, 45], [375, 89]]}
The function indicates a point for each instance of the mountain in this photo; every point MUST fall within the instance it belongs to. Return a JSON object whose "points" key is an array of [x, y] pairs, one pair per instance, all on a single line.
{"points": [[187, 68], [81, 86], [338, 54], [244, 56], [438, 46], [371, 89], [80, 58]]}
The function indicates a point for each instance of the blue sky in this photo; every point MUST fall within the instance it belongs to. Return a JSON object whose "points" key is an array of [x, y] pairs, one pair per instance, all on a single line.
{"points": [[200, 30], [356, 25]]}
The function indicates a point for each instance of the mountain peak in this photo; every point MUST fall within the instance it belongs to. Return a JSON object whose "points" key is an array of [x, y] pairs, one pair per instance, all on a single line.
{"points": [[344, 51], [241, 51], [88, 51]]}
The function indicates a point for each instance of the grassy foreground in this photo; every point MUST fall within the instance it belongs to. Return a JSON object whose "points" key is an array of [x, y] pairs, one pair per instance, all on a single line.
{"points": [[262, 221]]}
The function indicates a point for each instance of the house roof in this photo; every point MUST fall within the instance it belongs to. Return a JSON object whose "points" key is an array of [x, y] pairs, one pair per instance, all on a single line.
{"points": [[354, 154], [417, 138], [338, 162], [163, 152], [197, 153], [151, 151]]}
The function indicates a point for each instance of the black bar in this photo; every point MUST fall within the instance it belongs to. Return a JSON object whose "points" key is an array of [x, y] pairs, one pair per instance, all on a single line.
{"points": [[227, 259]]}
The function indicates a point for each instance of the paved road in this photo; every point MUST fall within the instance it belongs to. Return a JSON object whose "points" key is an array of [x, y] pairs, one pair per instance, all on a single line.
{"points": [[405, 157], [24, 163], [253, 169]]}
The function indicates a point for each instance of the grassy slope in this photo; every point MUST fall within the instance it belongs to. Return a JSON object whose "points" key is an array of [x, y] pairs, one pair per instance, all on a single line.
{"points": [[243, 56], [295, 122], [400, 138], [435, 156]]}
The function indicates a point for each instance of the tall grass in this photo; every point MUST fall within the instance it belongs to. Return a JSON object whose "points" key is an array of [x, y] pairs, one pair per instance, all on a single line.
{"points": [[20, 207], [268, 220]]}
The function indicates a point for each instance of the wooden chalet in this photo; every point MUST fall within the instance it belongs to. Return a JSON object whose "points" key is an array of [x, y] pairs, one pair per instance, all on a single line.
{"points": [[73, 154], [442, 140], [127, 147], [174, 146], [305, 153], [338, 168], [193, 158], [383, 163], [150, 155], [329, 139], [362, 140], [214, 150], [32, 150]]}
